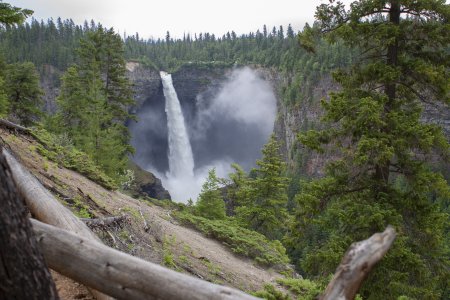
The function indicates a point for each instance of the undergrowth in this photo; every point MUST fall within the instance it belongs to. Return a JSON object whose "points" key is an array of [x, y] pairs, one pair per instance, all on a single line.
{"points": [[301, 289], [68, 156], [241, 240]]}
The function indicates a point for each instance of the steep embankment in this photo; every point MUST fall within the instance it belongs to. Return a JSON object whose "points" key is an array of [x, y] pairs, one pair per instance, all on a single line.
{"points": [[162, 240]]}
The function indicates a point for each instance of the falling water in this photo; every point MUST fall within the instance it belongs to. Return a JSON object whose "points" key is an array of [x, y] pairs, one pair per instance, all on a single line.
{"points": [[181, 160]]}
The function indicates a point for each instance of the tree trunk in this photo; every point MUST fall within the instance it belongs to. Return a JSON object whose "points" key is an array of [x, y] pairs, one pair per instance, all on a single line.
{"points": [[382, 172], [44, 206], [13, 126], [121, 275], [23, 273], [356, 264]]}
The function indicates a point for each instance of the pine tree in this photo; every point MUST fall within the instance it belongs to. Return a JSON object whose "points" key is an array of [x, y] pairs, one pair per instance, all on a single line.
{"points": [[262, 201], [10, 15], [93, 102], [4, 103], [210, 203], [382, 176], [24, 93]]}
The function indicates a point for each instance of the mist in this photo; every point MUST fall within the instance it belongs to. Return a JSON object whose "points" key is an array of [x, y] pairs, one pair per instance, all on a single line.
{"points": [[231, 124]]}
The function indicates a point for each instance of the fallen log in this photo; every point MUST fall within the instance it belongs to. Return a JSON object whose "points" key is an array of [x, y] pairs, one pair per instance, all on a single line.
{"points": [[118, 274], [44, 206], [356, 264], [13, 126], [105, 222]]}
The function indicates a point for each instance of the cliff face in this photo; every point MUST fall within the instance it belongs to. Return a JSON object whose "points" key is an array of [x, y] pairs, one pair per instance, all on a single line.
{"points": [[192, 82], [196, 81], [302, 116], [146, 83]]}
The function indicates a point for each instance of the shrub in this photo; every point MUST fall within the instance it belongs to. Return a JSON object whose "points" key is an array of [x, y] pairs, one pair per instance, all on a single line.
{"points": [[241, 240]]}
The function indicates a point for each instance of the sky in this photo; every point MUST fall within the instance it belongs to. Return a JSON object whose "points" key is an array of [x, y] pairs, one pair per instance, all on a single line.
{"points": [[152, 19]]}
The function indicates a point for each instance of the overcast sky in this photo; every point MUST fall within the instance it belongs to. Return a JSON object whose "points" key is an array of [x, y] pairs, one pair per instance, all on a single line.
{"points": [[153, 18]]}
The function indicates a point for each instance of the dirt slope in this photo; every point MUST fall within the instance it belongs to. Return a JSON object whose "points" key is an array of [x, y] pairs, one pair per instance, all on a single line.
{"points": [[164, 242]]}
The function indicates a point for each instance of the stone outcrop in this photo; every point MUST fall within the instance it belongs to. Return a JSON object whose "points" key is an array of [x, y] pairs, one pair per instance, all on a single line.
{"points": [[147, 184]]}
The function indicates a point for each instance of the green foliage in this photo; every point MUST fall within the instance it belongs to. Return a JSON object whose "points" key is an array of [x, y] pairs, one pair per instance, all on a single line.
{"points": [[303, 288], [93, 100], [261, 202], [210, 204], [81, 209], [4, 103], [168, 256], [271, 293], [60, 150], [169, 262], [24, 93], [12, 15], [241, 240], [382, 176]]}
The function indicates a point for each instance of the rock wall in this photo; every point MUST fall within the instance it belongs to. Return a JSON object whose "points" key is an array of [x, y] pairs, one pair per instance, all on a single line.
{"points": [[193, 81]]}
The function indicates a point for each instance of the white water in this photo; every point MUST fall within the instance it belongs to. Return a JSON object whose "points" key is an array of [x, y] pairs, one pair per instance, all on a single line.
{"points": [[245, 101], [181, 159]]}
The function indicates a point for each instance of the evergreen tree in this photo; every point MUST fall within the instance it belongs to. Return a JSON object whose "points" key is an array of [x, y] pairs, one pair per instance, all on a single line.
{"points": [[4, 103], [24, 93], [93, 102], [210, 203], [382, 176], [10, 15], [262, 201]]}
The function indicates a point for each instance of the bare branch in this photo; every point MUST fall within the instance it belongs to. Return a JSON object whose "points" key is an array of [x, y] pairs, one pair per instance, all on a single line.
{"points": [[359, 260]]}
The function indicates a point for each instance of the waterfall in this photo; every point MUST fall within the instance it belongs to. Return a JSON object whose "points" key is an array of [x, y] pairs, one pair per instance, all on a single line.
{"points": [[181, 160]]}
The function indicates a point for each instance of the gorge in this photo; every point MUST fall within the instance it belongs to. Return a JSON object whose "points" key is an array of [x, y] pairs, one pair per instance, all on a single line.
{"points": [[218, 118]]}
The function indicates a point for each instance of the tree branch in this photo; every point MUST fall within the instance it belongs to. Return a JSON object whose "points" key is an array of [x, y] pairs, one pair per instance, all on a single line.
{"points": [[359, 260]]}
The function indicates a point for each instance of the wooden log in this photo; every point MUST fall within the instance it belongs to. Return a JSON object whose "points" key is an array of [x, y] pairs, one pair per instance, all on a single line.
{"points": [[23, 272], [13, 126], [118, 274], [105, 222], [356, 264], [44, 206]]}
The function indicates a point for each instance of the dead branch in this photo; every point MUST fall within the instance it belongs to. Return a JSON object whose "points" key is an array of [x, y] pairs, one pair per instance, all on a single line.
{"points": [[118, 274], [146, 228], [356, 264], [13, 126], [105, 223]]}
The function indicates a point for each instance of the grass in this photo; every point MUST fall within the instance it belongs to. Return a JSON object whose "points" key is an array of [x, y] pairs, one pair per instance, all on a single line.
{"points": [[81, 209], [69, 157], [132, 211], [168, 256], [241, 241]]}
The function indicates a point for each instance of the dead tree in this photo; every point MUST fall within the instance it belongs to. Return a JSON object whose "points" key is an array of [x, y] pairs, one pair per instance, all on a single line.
{"points": [[121, 275], [23, 273], [356, 264]]}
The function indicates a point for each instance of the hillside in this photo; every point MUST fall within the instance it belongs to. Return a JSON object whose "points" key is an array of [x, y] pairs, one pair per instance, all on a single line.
{"points": [[165, 241]]}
